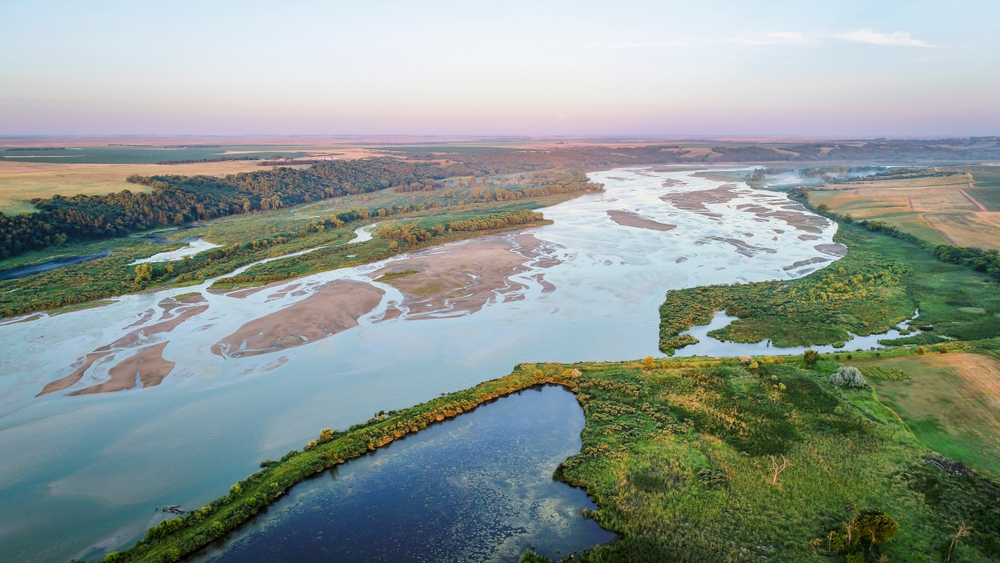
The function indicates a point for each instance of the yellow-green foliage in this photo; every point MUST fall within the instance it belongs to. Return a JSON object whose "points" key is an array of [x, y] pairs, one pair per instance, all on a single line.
{"points": [[679, 461]]}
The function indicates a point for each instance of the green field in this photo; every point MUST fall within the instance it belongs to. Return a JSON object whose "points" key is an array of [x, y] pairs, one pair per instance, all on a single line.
{"points": [[948, 403], [988, 197]]}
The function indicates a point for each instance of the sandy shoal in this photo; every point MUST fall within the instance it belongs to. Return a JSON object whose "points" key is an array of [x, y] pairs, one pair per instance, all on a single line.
{"points": [[333, 307], [458, 280], [697, 201], [170, 307], [76, 375], [147, 367], [630, 219], [174, 311]]}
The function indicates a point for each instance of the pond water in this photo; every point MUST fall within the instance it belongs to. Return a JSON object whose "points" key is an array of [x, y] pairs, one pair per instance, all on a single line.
{"points": [[475, 488], [61, 262], [86, 472]]}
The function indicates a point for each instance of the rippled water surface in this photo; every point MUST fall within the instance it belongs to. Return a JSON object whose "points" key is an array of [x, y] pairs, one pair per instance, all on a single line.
{"points": [[475, 488], [90, 470]]}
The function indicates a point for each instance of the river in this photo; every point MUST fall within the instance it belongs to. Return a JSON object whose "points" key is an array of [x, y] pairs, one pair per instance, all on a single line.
{"points": [[86, 472]]}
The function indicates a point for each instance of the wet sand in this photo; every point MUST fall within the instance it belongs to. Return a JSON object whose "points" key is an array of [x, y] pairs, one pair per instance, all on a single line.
{"points": [[71, 379], [697, 201], [148, 367], [174, 311], [169, 307], [458, 280], [333, 307], [630, 219]]}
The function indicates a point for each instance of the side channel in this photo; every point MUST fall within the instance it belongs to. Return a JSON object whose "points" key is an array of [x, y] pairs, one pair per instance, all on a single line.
{"points": [[478, 487]]}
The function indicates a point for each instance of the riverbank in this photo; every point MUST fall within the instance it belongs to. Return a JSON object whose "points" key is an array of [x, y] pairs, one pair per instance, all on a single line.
{"points": [[678, 456], [181, 536]]}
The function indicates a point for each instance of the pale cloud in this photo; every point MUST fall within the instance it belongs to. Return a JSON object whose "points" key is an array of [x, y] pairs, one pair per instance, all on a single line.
{"points": [[778, 38], [646, 44], [897, 38]]}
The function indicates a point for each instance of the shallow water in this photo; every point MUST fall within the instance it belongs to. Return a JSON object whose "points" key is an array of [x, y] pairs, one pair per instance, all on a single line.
{"points": [[708, 346], [79, 471], [194, 247], [475, 488], [62, 262]]}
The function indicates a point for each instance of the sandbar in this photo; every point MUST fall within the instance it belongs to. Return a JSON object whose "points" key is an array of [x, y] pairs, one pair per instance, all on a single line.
{"points": [[333, 307], [630, 219], [456, 280], [148, 367]]}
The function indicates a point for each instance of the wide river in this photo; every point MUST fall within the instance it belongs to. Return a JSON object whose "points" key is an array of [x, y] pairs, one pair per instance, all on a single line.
{"points": [[86, 472]]}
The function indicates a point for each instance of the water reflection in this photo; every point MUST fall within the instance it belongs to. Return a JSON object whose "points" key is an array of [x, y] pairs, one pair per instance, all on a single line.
{"points": [[475, 488]]}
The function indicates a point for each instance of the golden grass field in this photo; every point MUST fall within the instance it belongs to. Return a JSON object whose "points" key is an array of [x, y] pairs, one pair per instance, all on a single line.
{"points": [[945, 210], [952, 402], [22, 181]]}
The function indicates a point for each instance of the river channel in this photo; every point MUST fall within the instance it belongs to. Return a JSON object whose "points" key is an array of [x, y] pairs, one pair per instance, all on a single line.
{"points": [[84, 470]]}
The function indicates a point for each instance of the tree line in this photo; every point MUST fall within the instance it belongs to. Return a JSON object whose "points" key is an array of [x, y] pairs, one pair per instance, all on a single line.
{"points": [[176, 200]]}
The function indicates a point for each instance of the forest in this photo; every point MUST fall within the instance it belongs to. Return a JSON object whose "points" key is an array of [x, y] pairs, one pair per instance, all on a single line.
{"points": [[176, 200]]}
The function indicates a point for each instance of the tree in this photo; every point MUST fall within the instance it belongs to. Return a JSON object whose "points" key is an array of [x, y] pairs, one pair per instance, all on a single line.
{"points": [[963, 531], [648, 362], [143, 272], [810, 357], [778, 469]]}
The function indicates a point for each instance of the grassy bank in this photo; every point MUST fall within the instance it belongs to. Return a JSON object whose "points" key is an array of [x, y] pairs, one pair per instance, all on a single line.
{"points": [[678, 456]]}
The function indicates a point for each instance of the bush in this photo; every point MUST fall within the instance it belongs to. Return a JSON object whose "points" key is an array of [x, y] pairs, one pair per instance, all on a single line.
{"points": [[810, 356], [848, 377]]}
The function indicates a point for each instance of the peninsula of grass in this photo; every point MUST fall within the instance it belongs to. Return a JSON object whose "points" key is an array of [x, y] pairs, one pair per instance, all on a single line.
{"points": [[880, 283], [692, 460], [395, 275]]}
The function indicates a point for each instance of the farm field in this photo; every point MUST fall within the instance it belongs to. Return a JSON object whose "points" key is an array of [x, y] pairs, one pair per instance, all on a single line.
{"points": [[939, 210], [950, 401], [22, 181]]}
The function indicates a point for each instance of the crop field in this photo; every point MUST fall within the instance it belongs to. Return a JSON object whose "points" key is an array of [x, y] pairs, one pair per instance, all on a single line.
{"points": [[982, 176], [968, 229], [938, 210], [987, 197], [22, 181], [951, 401]]}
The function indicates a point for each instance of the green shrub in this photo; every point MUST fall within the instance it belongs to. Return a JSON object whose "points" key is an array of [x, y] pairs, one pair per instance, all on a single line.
{"points": [[849, 376]]}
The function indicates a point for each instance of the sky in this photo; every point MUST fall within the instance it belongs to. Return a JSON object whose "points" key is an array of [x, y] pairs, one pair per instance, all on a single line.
{"points": [[624, 68]]}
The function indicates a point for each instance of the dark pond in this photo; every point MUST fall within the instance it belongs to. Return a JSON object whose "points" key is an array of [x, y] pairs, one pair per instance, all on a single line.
{"points": [[61, 262], [475, 488]]}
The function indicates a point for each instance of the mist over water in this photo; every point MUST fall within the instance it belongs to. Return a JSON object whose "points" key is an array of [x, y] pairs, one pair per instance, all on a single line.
{"points": [[80, 471]]}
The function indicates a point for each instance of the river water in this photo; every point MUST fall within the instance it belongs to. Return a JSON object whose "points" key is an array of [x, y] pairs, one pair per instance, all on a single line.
{"points": [[83, 474]]}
